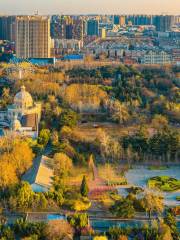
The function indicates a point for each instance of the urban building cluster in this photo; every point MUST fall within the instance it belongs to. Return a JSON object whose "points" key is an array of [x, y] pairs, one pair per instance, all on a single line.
{"points": [[140, 39]]}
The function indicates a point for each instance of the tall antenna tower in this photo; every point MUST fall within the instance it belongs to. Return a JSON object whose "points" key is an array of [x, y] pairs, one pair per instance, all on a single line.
{"points": [[36, 13]]}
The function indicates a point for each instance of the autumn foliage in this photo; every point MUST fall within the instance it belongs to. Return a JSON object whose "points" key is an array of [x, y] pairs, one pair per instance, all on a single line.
{"points": [[85, 97], [15, 159]]}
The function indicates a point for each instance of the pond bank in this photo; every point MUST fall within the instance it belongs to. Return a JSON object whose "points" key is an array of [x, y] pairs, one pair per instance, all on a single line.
{"points": [[139, 175]]}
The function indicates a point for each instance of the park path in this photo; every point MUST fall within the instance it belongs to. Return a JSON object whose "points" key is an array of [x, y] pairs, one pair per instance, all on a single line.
{"points": [[97, 183], [97, 187]]}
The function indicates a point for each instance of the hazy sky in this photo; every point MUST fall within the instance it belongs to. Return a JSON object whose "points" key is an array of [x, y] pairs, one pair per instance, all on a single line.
{"points": [[89, 6]]}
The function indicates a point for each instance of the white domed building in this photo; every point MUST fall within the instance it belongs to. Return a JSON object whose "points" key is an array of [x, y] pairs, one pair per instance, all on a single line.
{"points": [[23, 99], [24, 114]]}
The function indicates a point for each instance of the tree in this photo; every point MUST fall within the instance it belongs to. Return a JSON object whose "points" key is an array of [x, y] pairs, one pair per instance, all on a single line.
{"points": [[81, 205], [122, 237], [54, 138], [170, 220], [58, 230], [21, 156], [7, 174], [6, 99], [88, 59], [104, 140], [85, 97], [123, 208], [117, 233], [44, 137], [31, 237], [137, 143], [153, 202], [6, 233], [115, 150], [78, 220], [51, 111], [100, 238], [66, 132], [109, 147], [18, 152], [108, 172], [159, 122], [91, 162], [33, 230], [91, 165], [40, 201], [120, 112], [165, 144], [62, 164], [174, 143], [68, 118], [84, 187], [24, 196], [165, 232]]}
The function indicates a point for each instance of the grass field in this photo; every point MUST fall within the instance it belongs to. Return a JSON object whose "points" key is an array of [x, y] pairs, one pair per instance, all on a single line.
{"points": [[89, 131], [111, 175], [77, 174]]}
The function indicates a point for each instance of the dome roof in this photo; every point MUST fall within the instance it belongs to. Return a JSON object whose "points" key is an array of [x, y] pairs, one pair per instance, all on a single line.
{"points": [[23, 99]]}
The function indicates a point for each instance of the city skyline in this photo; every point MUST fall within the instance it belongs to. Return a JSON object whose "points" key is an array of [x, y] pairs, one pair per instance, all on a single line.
{"points": [[90, 7]]}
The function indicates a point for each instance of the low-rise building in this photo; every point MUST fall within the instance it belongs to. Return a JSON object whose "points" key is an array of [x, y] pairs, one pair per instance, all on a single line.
{"points": [[176, 56], [40, 175], [62, 46], [156, 57]]}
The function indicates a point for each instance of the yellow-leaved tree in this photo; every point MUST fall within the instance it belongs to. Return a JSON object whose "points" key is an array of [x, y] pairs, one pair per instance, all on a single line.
{"points": [[7, 173], [21, 156], [16, 158], [58, 229], [85, 97], [62, 164]]}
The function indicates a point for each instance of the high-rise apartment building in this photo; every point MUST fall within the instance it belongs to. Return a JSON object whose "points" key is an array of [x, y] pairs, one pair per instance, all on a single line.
{"points": [[33, 37], [139, 19], [163, 23], [143, 20], [93, 27], [122, 20], [119, 20], [66, 27], [78, 29], [69, 31], [7, 28], [57, 27], [116, 19], [177, 20]]}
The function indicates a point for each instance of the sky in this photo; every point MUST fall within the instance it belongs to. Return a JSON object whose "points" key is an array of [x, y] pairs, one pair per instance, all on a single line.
{"points": [[90, 6]]}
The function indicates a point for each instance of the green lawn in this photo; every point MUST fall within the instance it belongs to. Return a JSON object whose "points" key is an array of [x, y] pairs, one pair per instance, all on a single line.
{"points": [[164, 183], [178, 198]]}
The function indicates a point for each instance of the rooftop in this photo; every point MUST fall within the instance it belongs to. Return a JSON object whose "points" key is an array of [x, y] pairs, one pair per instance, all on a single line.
{"points": [[41, 172]]}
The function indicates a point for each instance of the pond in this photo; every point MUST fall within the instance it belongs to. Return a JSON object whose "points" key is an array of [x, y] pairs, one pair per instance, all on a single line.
{"points": [[55, 217], [139, 176], [103, 225]]}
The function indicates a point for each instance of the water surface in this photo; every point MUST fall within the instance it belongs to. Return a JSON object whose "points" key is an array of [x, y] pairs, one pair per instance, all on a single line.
{"points": [[139, 176]]}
